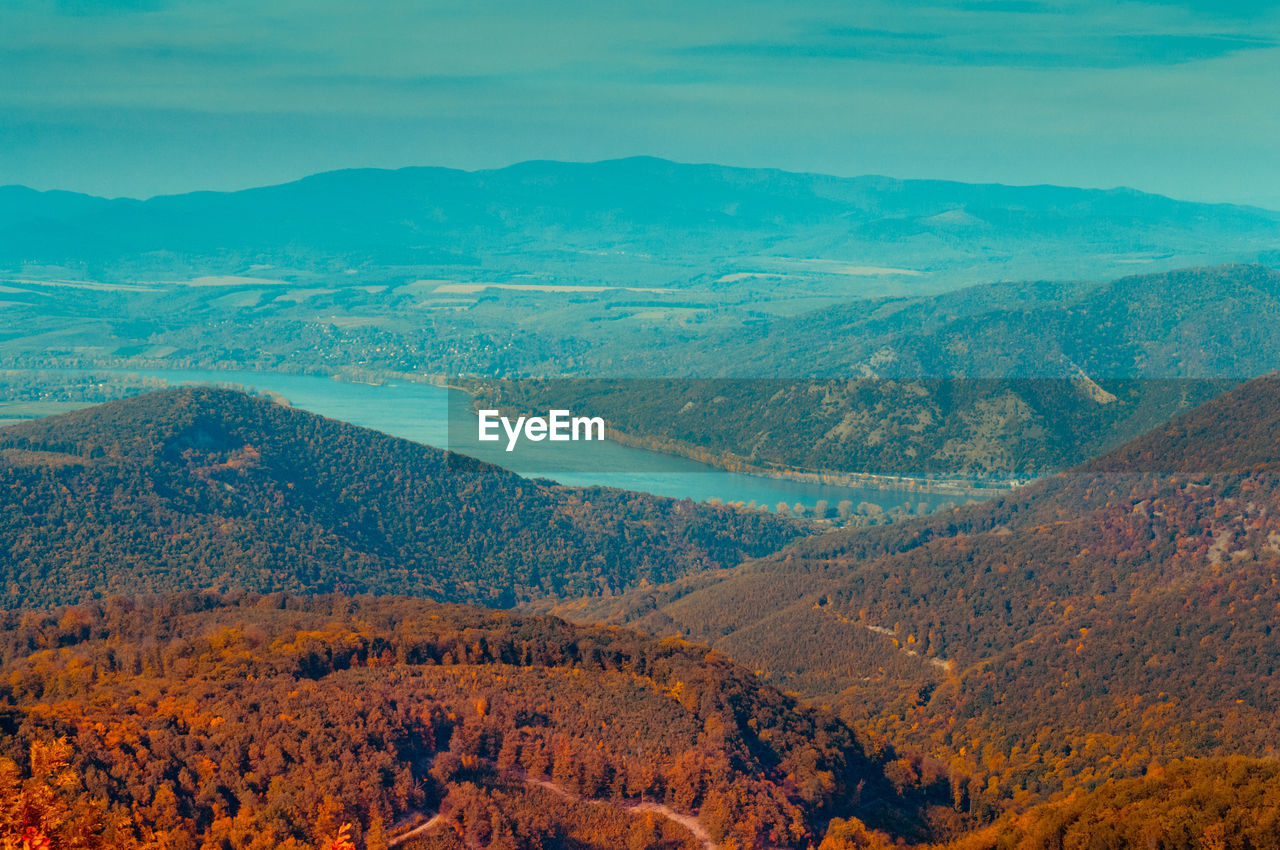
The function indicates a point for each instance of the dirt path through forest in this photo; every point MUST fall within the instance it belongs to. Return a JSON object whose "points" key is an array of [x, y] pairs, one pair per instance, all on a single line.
{"points": [[417, 830], [689, 822]]}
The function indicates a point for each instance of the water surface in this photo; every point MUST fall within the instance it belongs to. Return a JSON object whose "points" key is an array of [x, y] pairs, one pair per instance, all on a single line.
{"points": [[422, 412]]}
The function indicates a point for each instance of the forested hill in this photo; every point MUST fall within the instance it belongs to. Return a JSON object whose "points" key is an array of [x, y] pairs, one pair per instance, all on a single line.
{"points": [[269, 722], [1079, 628], [1200, 322], [1238, 432], [215, 490], [1000, 381]]}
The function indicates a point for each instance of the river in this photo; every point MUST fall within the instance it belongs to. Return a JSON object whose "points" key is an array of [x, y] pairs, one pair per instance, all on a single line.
{"points": [[423, 412]]}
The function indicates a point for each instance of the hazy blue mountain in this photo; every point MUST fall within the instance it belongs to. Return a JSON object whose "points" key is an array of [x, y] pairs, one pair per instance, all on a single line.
{"points": [[650, 210], [21, 206]]}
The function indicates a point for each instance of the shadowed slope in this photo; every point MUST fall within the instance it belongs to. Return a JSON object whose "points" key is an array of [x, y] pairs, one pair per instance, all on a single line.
{"points": [[212, 489], [1080, 627]]}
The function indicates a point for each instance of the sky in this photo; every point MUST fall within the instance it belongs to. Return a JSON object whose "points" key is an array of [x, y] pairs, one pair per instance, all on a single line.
{"points": [[144, 97]]}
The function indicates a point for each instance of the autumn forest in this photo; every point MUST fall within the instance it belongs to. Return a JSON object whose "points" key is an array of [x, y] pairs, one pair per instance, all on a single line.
{"points": [[234, 624]]}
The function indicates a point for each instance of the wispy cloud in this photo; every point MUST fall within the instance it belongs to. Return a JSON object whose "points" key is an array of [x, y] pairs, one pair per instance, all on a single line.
{"points": [[107, 7], [1244, 10], [1013, 49], [1030, 7]]}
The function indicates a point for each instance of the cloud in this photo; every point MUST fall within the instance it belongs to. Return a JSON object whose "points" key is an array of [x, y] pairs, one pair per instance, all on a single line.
{"points": [[85, 8], [1238, 9], [1117, 50], [1019, 7]]}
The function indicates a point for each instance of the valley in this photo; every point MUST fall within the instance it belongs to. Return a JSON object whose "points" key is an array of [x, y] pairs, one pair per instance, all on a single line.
{"points": [[989, 670], [923, 521]]}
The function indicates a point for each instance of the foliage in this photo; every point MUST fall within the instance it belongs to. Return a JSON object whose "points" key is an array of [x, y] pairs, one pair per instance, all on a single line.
{"points": [[217, 490], [272, 721], [1192, 804], [44, 807], [1074, 631]]}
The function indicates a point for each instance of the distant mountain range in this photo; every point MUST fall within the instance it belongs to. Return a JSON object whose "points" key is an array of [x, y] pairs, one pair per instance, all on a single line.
{"points": [[657, 216]]}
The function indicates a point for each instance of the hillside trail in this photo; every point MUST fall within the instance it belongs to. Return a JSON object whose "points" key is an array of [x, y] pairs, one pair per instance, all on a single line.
{"points": [[432, 821], [689, 822]]}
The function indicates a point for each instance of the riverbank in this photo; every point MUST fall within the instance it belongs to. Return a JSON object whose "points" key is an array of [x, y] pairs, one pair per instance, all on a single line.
{"points": [[952, 487], [421, 407]]}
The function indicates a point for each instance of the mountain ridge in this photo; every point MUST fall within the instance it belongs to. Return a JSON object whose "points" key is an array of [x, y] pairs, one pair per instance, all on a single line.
{"points": [[269, 721], [214, 489], [534, 165], [662, 209], [1072, 631]]}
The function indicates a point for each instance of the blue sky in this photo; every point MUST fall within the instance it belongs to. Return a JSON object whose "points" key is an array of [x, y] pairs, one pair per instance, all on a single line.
{"points": [[138, 97]]}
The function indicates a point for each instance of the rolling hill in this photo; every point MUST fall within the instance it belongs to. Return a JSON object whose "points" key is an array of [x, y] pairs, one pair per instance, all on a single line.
{"points": [[267, 722], [1003, 381], [1090, 655], [217, 490], [1202, 322], [1081, 628]]}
